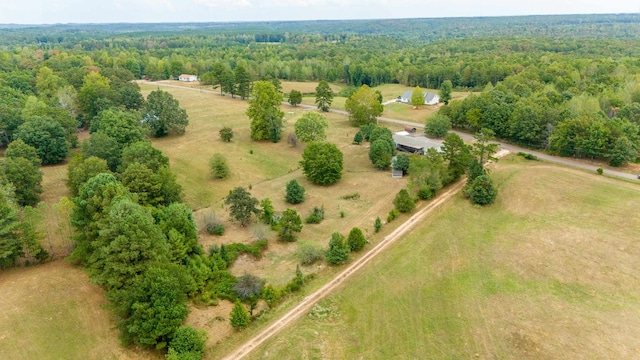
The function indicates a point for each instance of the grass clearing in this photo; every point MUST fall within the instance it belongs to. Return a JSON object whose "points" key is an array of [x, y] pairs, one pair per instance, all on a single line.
{"points": [[546, 272], [52, 311]]}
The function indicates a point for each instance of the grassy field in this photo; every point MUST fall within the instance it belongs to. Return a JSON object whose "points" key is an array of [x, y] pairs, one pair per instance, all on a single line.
{"points": [[52, 311], [547, 272]]}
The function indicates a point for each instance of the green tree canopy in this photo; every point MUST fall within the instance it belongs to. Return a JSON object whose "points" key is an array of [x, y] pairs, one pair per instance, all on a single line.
{"points": [[187, 344], [445, 91], [417, 97], [104, 147], [80, 170], [10, 246], [46, 136], [264, 112], [290, 223], [295, 192], [322, 163], [239, 318], [144, 153], [243, 81], [403, 201], [324, 95], [25, 178], [437, 126], [241, 205], [153, 308], [356, 239], [363, 106], [19, 148], [457, 153], [218, 166], [295, 98], [163, 114], [129, 241], [338, 252], [380, 154], [122, 126], [95, 94], [311, 127]]}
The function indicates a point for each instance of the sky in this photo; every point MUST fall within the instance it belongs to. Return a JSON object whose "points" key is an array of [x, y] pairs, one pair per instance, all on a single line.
{"points": [[112, 11]]}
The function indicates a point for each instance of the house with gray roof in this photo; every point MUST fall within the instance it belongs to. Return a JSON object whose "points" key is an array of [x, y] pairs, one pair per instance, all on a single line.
{"points": [[429, 98], [415, 144]]}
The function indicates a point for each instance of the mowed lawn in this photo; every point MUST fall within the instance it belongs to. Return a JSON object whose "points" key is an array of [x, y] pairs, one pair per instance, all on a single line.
{"points": [[547, 272], [52, 311]]}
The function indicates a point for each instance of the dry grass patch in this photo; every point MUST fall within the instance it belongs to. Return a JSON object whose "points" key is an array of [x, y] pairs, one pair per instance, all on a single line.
{"points": [[306, 87], [52, 311], [548, 271]]}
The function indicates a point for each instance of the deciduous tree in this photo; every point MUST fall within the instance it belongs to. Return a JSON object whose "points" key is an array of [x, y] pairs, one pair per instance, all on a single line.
{"points": [[363, 106], [295, 98], [25, 178], [264, 112], [437, 126], [311, 127], [290, 223], [324, 95], [241, 205], [322, 163], [445, 91], [163, 114], [46, 136], [417, 97]]}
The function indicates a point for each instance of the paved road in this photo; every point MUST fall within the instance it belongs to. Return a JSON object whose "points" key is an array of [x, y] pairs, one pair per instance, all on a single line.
{"points": [[465, 136]]}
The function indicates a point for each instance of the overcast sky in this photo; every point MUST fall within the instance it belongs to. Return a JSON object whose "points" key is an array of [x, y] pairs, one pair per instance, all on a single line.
{"points": [[109, 11]]}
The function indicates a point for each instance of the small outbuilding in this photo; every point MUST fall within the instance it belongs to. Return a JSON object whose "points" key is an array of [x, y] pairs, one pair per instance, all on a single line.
{"points": [[188, 78], [415, 144]]}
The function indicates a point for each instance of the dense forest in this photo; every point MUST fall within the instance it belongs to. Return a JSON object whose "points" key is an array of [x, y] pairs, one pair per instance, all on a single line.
{"points": [[566, 84]]}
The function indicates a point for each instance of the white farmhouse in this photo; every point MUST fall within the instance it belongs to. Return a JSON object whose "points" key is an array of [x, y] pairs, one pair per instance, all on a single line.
{"points": [[188, 77], [429, 98]]}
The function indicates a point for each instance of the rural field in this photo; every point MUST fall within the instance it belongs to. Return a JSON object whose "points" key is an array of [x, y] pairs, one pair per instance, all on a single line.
{"points": [[546, 272], [263, 166]]}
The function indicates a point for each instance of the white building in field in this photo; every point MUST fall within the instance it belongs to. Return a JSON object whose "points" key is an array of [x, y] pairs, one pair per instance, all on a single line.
{"points": [[429, 98], [188, 77]]}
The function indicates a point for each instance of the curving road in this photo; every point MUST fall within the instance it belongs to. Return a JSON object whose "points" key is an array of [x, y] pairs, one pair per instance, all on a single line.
{"points": [[513, 148]]}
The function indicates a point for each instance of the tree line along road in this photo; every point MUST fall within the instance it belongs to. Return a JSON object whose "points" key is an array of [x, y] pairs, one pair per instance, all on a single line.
{"points": [[463, 135]]}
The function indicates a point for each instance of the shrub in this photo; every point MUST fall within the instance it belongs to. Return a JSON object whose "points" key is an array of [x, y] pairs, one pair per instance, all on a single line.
{"points": [[481, 191], [295, 192], [600, 171], [356, 239], [527, 156], [358, 138], [260, 231], [342, 214], [316, 216], [290, 222], [354, 196], [209, 221], [270, 295], [218, 166], [392, 215], [403, 201], [239, 316], [437, 126], [308, 253], [187, 344], [425, 193], [377, 225], [338, 252], [226, 134], [215, 229]]}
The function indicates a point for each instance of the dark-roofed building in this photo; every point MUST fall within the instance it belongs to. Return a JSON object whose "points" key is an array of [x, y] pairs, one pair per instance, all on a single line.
{"points": [[415, 144]]}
